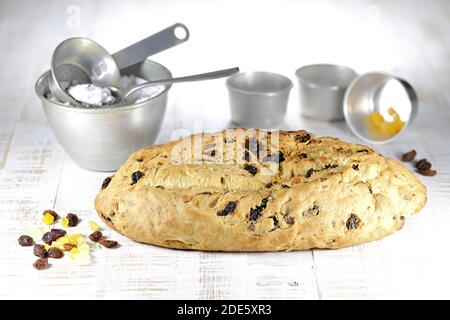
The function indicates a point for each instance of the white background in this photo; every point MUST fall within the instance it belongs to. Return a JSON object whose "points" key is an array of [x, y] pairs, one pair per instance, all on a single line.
{"points": [[408, 38]]}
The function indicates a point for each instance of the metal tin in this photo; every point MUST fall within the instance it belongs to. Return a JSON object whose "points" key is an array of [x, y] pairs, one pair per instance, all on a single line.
{"points": [[102, 138], [321, 90], [378, 91], [258, 99]]}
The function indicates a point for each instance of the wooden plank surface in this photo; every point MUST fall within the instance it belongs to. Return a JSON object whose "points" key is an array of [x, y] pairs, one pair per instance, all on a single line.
{"points": [[408, 38]]}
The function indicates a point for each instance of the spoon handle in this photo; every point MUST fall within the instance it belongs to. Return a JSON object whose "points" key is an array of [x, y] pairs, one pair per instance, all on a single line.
{"points": [[151, 45], [197, 77]]}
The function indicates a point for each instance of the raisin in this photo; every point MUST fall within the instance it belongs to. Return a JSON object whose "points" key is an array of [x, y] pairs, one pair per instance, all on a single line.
{"points": [[303, 137], [330, 166], [352, 222], [58, 233], [288, 218], [246, 156], [256, 212], [355, 167], [108, 243], [53, 213], [309, 172], [276, 223], [69, 246], [26, 241], [303, 155], [211, 153], [159, 187], [207, 193], [73, 219], [409, 156], [41, 264], [427, 172], [48, 237], [229, 208], [285, 186], [39, 251], [135, 176], [95, 236], [313, 211], [55, 253], [362, 150], [251, 169], [106, 182], [423, 164]]}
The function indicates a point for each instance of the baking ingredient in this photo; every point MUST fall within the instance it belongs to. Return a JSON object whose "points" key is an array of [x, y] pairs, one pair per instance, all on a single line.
{"points": [[48, 219], [93, 226], [427, 172], [48, 237], [41, 264], [65, 222], [40, 251], [72, 219], [95, 236], [26, 241], [108, 243], [58, 233], [386, 128], [92, 95], [409, 156], [423, 164], [135, 176], [55, 253]]}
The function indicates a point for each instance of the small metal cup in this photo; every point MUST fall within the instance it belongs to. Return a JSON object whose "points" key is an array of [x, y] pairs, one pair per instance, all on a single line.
{"points": [[258, 99], [322, 88], [102, 138], [378, 91]]}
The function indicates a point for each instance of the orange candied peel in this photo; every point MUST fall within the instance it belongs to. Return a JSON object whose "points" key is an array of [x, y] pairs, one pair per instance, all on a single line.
{"points": [[381, 125]]}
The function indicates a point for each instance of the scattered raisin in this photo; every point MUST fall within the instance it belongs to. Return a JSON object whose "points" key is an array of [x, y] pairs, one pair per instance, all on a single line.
{"points": [[352, 222], [55, 253], [58, 233], [41, 264], [26, 241], [95, 236], [251, 169], [285, 186], [355, 167], [69, 246], [229, 208], [313, 211], [409, 156], [108, 243], [423, 164], [53, 213], [106, 182], [73, 219], [427, 172], [309, 172], [303, 155], [48, 237], [303, 137], [135, 176], [362, 150], [256, 212], [39, 251]]}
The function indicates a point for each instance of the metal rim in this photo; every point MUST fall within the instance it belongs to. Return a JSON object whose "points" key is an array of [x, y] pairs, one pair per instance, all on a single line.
{"points": [[317, 86], [410, 92], [98, 109], [249, 92]]}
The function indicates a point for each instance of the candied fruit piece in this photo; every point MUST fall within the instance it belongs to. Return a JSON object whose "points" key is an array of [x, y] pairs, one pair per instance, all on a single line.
{"points": [[65, 222], [48, 219], [93, 226]]}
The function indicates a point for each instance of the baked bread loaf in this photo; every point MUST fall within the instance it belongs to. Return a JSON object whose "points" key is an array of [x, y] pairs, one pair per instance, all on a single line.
{"points": [[252, 190]]}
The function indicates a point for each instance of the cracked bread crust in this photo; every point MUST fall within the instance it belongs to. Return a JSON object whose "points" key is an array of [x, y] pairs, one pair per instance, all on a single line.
{"points": [[325, 193]]}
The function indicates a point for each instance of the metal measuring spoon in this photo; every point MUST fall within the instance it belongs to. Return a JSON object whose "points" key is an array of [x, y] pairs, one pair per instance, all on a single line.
{"points": [[81, 60], [122, 96]]}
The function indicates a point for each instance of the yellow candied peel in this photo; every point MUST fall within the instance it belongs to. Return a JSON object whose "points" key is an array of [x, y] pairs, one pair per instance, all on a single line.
{"points": [[48, 219], [380, 125], [93, 226], [65, 222]]}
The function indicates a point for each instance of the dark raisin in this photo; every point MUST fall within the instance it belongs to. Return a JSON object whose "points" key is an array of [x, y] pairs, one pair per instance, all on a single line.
{"points": [[58, 233], [285, 186], [362, 150], [39, 251], [251, 169], [229, 208], [256, 212], [106, 182], [303, 155], [95, 236], [73, 219], [53, 213], [355, 167], [276, 223], [48, 237], [330, 166], [409, 156], [207, 193], [55, 253], [135, 176], [69, 246], [303, 137], [269, 185], [423, 164], [159, 187], [309, 172], [353, 222], [370, 189], [427, 172], [312, 211], [288, 218], [26, 241], [108, 243], [41, 264]]}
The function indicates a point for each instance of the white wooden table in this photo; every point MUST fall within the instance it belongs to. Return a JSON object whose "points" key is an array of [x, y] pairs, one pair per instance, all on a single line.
{"points": [[408, 38]]}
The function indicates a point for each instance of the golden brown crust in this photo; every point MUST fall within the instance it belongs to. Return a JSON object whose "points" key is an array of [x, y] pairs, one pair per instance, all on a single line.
{"points": [[325, 194]]}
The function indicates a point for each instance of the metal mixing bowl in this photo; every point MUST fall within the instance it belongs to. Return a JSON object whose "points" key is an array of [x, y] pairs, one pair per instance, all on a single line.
{"points": [[102, 138]]}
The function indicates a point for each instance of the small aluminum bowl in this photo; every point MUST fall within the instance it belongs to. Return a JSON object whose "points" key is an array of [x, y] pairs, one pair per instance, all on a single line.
{"points": [[378, 91], [322, 88], [102, 138], [258, 99]]}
